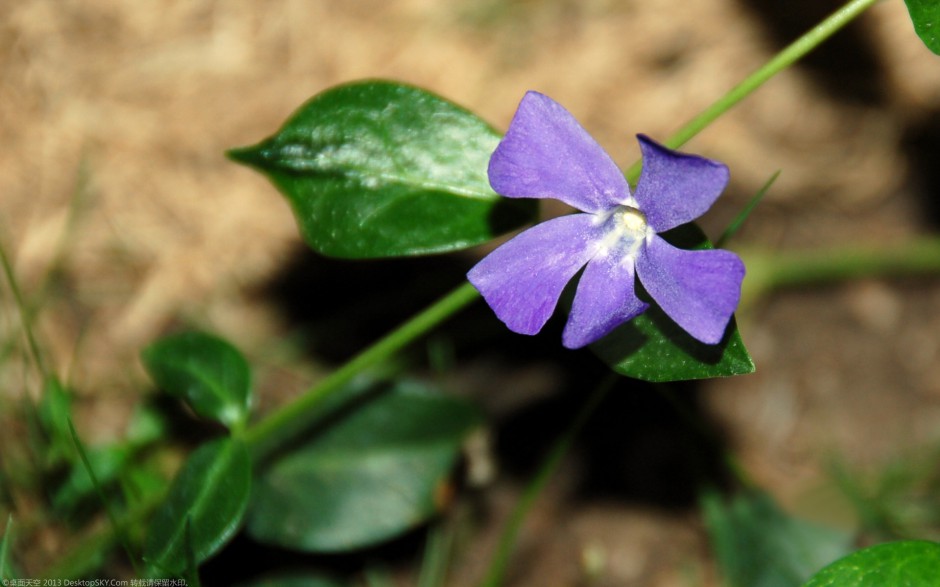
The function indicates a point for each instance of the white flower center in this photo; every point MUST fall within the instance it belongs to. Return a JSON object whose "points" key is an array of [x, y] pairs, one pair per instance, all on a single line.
{"points": [[632, 220], [627, 230]]}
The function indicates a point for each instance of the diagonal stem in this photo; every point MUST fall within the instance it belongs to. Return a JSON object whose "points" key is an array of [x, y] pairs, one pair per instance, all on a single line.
{"points": [[782, 60], [282, 425]]}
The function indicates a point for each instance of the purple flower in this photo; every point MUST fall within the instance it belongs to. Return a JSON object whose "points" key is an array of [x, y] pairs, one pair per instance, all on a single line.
{"points": [[547, 154]]}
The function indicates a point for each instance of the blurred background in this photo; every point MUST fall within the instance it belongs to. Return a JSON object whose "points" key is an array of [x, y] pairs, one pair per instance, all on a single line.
{"points": [[123, 220]]}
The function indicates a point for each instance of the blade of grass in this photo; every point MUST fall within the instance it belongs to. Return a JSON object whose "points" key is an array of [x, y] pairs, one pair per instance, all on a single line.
{"points": [[86, 557], [507, 542], [436, 556], [6, 495], [735, 225], [119, 529], [28, 310], [5, 548], [32, 343]]}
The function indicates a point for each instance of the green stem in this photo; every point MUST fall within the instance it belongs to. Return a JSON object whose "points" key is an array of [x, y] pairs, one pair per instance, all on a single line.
{"points": [[507, 542], [118, 526], [785, 58], [769, 271], [25, 314], [282, 425]]}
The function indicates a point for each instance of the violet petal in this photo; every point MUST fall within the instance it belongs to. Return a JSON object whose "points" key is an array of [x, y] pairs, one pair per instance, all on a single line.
{"points": [[547, 154], [605, 299], [699, 290], [523, 279], [675, 188]]}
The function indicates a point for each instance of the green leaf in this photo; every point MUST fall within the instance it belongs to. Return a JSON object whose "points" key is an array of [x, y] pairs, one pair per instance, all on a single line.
{"points": [[207, 372], [210, 493], [380, 169], [926, 17], [54, 411], [108, 462], [759, 545], [122, 464], [373, 473], [148, 424], [913, 563], [654, 348]]}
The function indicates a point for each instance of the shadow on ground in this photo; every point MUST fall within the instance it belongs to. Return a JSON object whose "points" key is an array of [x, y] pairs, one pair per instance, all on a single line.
{"points": [[639, 447]]}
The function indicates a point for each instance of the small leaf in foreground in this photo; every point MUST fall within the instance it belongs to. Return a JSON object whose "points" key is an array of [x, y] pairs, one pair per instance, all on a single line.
{"points": [[210, 495], [925, 14], [759, 545], [380, 169], [210, 374], [54, 411], [372, 474], [912, 563]]}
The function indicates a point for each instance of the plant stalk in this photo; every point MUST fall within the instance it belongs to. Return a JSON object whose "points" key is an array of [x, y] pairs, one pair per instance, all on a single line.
{"points": [[770, 271], [284, 424], [785, 58]]}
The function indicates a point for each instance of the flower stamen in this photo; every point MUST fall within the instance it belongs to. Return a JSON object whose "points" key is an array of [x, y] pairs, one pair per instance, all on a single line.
{"points": [[631, 219]]}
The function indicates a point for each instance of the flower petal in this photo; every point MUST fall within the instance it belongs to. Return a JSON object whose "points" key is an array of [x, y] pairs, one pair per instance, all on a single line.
{"points": [[698, 289], [675, 187], [523, 279], [605, 299], [547, 154]]}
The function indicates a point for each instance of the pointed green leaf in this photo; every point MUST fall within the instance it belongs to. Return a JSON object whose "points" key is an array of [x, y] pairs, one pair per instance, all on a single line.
{"points": [[207, 372], [654, 348], [759, 545], [210, 494], [926, 17], [372, 474], [913, 563], [379, 169]]}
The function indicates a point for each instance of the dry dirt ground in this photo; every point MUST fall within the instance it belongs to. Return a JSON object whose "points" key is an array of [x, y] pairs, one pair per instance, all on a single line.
{"points": [[114, 117]]}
